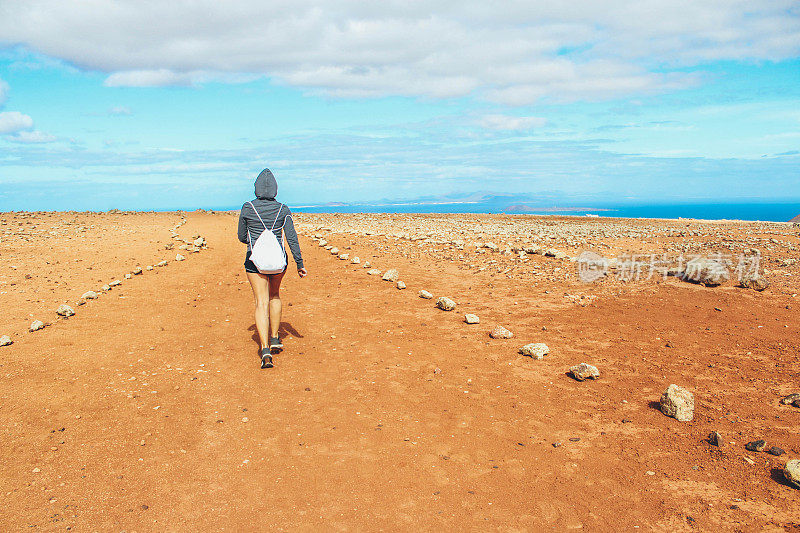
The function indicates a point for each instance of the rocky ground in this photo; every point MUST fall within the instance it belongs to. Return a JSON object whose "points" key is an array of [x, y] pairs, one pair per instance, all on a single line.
{"points": [[440, 372]]}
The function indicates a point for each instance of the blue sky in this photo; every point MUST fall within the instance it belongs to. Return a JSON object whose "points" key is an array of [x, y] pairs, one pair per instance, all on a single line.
{"points": [[138, 105]]}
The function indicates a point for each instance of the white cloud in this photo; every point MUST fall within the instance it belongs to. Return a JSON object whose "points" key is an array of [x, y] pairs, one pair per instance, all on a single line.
{"points": [[34, 136], [3, 93], [148, 78], [511, 52], [120, 110], [509, 123], [14, 121]]}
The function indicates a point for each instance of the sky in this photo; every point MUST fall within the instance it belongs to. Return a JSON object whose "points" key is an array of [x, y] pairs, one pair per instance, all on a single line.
{"points": [[164, 105]]}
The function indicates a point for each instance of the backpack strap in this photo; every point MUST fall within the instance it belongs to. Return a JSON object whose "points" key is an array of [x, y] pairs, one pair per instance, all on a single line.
{"points": [[259, 216], [276, 219]]}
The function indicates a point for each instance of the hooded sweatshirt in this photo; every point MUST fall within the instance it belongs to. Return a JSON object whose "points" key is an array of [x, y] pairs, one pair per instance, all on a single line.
{"points": [[271, 211]]}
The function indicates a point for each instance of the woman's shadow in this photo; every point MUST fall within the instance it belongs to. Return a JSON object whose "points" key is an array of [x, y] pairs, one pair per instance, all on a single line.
{"points": [[284, 329]]}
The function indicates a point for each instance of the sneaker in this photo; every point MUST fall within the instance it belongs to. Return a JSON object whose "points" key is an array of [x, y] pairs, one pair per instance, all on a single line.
{"points": [[266, 359], [275, 345]]}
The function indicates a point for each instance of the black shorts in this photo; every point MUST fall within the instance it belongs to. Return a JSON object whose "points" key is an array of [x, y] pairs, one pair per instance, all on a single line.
{"points": [[249, 266]]}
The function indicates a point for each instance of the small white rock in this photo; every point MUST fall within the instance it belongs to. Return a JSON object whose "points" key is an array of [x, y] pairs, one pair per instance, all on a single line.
{"points": [[36, 325], [65, 310], [5, 340], [499, 332], [425, 295], [678, 403], [472, 319], [401, 285], [89, 295], [792, 472], [584, 371], [537, 350], [445, 304], [179, 257]]}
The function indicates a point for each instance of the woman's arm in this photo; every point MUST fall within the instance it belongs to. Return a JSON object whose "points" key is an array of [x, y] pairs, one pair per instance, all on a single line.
{"points": [[243, 226], [292, 241]]}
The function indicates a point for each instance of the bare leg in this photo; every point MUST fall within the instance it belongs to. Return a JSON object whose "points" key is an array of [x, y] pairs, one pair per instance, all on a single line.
{"points": [[275, 305], [260, 285]]}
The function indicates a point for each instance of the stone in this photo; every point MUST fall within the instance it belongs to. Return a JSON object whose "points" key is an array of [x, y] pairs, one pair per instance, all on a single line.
{"points": [[105, 288], [584, 371], [533, 249], [499, 332], [179, 257], [36, 325], [491, 246], [401, 285], [471, 319], [755, 282], [334, 251], [149, 267], [792, 473], [791, 399], [5, 340], [756, 445], [425, 295], [89, 295], [65, 310], [199, 241], [367, 264], [391, 275], [374, 272], [355, 260], [678, 403], [128, 276], [445, 304], [159, 264], [115, 283], [777, 452], [137, 271], [706, 271], [715, 439], [344, 257], [536, 350]]}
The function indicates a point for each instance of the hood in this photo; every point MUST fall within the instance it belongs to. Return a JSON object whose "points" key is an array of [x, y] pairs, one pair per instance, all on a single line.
{"points": [[266, 186]]}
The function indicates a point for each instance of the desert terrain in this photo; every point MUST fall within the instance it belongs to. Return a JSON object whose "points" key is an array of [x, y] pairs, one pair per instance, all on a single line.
{"points": [[146, 409]]}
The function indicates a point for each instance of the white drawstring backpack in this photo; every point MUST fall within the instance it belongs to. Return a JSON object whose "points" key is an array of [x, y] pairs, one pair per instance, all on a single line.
{"points": [[267, 253]]}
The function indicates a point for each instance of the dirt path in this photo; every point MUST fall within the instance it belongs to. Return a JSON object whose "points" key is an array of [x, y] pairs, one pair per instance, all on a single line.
{"points": [[147, 410]]}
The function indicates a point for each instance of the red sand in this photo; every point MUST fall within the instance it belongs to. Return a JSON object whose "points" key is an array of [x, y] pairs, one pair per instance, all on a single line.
{"points": [[147, 411]]}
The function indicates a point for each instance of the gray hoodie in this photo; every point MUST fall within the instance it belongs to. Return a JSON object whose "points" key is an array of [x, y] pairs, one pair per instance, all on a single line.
{"points": [[271, 211]]}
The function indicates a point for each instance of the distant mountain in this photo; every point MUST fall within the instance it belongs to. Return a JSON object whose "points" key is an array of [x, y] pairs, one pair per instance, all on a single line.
{"points": [[795, 219], [519, 208], [479, 197]]}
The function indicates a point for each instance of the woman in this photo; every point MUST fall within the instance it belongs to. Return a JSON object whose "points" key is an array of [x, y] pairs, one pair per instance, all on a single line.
{"points": [[255, 215]]}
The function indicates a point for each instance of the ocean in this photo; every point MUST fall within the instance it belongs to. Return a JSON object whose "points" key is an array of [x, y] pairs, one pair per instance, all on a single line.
{"points": [[773, 212]]}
